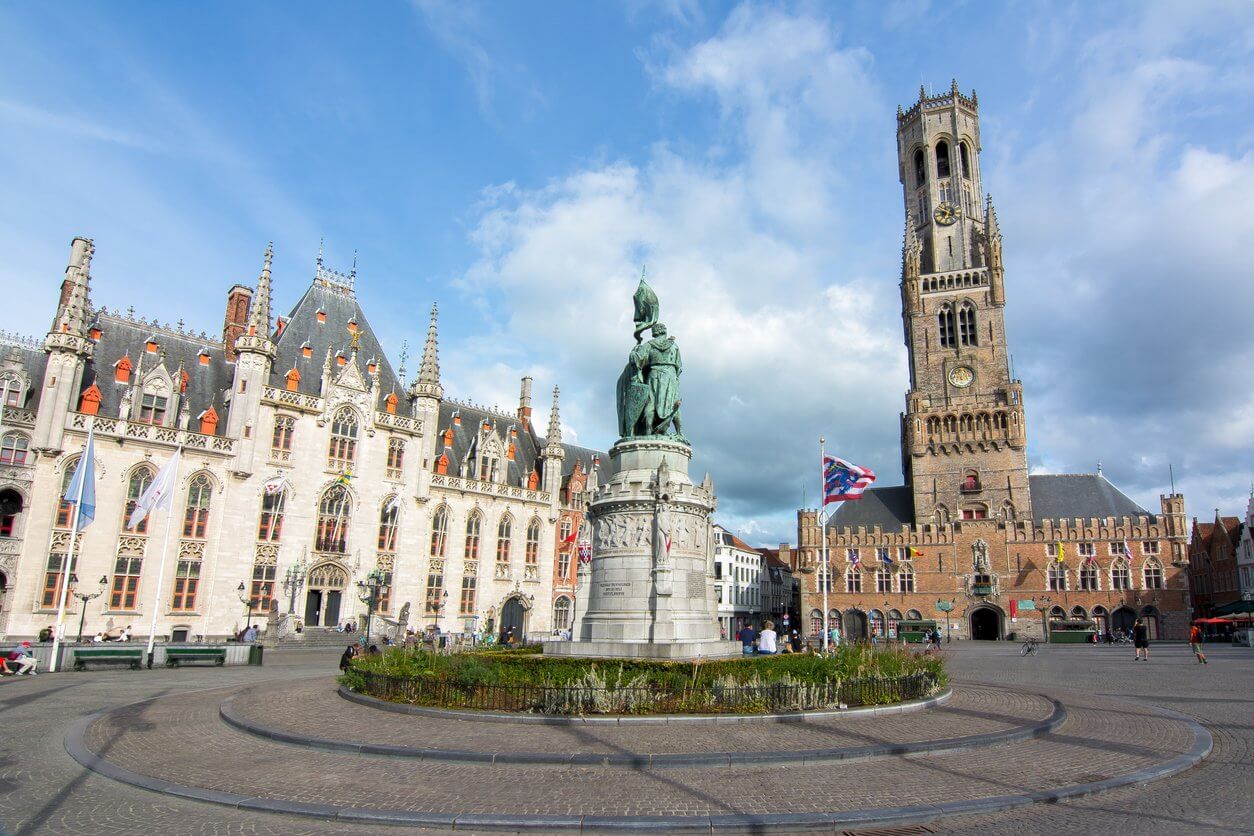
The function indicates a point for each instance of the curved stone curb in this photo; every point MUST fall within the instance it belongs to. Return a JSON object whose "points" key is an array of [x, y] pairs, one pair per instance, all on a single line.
{"points": [[231, 716], [657, 719], [76, 746]]}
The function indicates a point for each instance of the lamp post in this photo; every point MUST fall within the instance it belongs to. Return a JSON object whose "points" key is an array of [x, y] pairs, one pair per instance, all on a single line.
{"points": [[368, 594], [246, 600], [84, 597], [946, 607], [293, 582]]}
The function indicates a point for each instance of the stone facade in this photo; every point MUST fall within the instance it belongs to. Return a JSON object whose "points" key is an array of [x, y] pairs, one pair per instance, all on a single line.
{"points": [[971, 530], [308, 464]]}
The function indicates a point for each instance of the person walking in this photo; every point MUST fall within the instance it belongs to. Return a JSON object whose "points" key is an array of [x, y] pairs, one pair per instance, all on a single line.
{"points": [[834, 637], [766, 639], [1195, 644], [1140, 640]]}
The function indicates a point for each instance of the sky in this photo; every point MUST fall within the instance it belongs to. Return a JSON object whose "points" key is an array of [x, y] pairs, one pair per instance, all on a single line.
{"points": [[520, 163]]}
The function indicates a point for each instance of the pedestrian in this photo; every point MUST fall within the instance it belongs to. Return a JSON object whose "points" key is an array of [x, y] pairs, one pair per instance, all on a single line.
{"points": [[1140, 639], [766, 639], [834, 636], [875, 638], [46, 634], [24, 659], [98, 638], [1195, 644], [747, 637], [797, 643], [346, 658]]}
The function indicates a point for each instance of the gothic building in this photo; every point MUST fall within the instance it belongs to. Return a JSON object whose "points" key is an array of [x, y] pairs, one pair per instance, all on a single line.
{"points": [[970, 532], [309, 464]]}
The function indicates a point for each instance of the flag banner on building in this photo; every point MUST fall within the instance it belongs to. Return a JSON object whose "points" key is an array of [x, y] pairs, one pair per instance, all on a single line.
{"points": [[1061, 557], [84, 482], [844, 480], [585, 551], [394, 505], [158, 493], [888, 559], [343, 478], [276, 485], [570, 538], [855, 559], [913, 552], [1127, 551]]}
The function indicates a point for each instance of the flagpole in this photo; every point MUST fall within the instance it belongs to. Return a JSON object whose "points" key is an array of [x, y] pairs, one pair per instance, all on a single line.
{"points": [[165, 546], [826, 576], [68, 561]]}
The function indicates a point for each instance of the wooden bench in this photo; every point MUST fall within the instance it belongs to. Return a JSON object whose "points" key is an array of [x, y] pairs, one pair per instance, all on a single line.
{"points": [[174, 656], [133, 656]]}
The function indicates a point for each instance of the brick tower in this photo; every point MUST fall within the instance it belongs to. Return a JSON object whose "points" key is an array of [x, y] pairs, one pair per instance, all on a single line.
{"points": [[963, 432]]}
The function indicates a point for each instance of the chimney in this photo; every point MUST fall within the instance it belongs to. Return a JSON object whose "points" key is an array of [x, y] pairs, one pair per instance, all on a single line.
{"points": [[236, 320], [524, 402]]}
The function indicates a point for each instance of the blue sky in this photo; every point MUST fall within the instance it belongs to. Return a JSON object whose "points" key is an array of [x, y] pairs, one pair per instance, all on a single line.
{"points": [[518, 162]]}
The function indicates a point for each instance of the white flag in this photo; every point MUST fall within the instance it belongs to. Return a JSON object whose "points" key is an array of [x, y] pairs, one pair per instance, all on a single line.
{"points": [[158, 493], [275, 485], [394, 506]]}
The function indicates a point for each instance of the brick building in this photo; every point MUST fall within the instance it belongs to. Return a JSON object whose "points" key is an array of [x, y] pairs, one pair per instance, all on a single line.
{"points": [[1213, 563], [1008, 551]]}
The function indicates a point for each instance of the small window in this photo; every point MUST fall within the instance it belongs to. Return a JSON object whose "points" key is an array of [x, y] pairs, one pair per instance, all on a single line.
{"points": [[261, 591], [186, 583], [396, 458], [853, 580], [151, 409], [284, 428], [14, 449], [342, 451], [1057, 579], [1086, 549], [140, 479]]}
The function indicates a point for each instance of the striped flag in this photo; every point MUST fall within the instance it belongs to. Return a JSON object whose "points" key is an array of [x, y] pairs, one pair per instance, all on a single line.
{"points": [[913, 552], [84, 482], [159, 491], [844, 480]]}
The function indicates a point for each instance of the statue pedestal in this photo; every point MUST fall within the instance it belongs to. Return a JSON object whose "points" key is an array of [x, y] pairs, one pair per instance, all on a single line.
{"points": [[642, 600]]}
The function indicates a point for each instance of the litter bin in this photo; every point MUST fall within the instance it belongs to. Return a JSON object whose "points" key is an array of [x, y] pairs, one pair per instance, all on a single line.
{"points": [[254, 654]]}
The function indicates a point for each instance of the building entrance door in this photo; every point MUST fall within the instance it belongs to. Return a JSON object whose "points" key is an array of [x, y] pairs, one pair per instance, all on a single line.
{"points": [[985, 624], [855, 626], [313, 608], [514, 617], [326, 590]]}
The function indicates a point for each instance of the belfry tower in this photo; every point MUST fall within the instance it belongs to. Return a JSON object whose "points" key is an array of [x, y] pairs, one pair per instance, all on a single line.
{"points": [[963, 434]]}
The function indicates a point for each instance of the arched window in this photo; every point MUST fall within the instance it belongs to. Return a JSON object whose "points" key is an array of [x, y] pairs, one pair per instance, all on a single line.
{"points": [[335, 509], [905, 579], [388, 519], [883, 580], [439, 531], [914, 615], [532, 554], [1120, 574], [281, 442], [1057, 577], [1153, 572], [504, 531], [876, 619], [141, 478], [270, 526], [853, 580], [473, 524], [942, 159], [920, 169], [1090, 580], [11, 504], [65, 507], [1101, 619], [945, 320], [561, 613], [13, 449], [196, 515], [1078, 612], [965, 158], [1057, 614], [966, 325], [342, 451], [816, 616], [396, 458]]}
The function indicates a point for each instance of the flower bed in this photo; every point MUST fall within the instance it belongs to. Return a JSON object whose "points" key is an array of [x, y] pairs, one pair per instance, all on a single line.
{"points": [[513, 681]]}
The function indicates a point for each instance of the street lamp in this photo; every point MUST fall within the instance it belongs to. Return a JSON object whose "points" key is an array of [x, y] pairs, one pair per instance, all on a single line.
{"points": [[946, 607], [293, 582], [368, 593], [246, 600], [84, 597]]}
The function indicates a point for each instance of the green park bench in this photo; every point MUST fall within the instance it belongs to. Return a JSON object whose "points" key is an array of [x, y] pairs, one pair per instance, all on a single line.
{"points": [[175, 656], [133, 656]]}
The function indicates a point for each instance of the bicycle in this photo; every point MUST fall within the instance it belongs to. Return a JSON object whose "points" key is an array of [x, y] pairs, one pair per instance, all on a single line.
{"points": [[1029, 646]]}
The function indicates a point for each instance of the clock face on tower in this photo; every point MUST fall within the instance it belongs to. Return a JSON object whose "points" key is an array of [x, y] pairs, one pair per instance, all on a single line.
{"points": [[961, 376], [946, 213]]}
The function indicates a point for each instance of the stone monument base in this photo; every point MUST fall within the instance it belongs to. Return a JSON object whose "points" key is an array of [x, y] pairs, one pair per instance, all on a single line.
{"points": [[669, 652]]}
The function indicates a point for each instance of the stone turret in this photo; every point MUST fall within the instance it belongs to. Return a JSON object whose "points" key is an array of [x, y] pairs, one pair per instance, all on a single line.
{"points": [[69, 346], [254, 355], [427, 382], [426, 393]]}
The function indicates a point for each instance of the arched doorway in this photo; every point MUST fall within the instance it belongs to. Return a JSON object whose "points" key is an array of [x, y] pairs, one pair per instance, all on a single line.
{"points": [[1150, 616], [855, 625], [1101, 619], [10, 507], [325, 592], [1123, 619], [985, 624], [514, 619]]}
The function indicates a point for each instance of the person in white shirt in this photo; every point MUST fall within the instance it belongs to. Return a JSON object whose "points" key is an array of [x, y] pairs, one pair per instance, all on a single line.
{"points": [[766, 639]]}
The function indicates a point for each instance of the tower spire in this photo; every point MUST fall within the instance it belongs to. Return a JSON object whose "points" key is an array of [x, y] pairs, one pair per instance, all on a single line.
{"points": [[76, 290], [428, 380], [555, 422], [259, 311]]}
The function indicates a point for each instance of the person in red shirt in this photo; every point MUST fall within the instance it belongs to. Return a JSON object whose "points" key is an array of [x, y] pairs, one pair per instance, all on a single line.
{"points": [[1195, 644]]}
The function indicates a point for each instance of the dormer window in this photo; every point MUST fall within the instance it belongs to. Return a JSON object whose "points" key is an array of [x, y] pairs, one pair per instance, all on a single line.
{"points": [[14, 394], [151, 346], [152, 409], [322, 317], [306, 350]]}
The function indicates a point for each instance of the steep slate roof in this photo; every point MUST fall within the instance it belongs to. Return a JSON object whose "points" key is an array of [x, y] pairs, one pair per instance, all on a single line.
{"points": [[122, 336], [1079, 495], [888, 508], [526, 453], [303, 326], [33, 362]]}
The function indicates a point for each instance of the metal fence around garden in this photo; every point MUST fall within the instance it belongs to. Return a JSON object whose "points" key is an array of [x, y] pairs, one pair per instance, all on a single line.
{"points": [[709, 698]]}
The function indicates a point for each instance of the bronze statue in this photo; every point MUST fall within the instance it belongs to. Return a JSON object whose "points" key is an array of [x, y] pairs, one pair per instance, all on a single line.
{"points": [[648, 389]]}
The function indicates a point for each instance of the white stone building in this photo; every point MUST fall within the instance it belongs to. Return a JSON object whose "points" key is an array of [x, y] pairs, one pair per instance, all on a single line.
{"points": [[737, 581], [456, 508], [1245, 553]]}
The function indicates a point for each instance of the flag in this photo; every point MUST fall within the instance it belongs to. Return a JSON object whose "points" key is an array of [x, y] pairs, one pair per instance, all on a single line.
{"points": [[84, 481], [394, 506], [158, 492], [855, 558], [913, 552], [570, 538], [888, 559], [1127, 550], [1061, 558], [276, 485], [843, 480], [343, 478]]}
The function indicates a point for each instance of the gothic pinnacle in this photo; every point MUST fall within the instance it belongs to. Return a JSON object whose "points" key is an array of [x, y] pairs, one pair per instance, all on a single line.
{"points": [[259, 311], [427, 381], [554, 437]]}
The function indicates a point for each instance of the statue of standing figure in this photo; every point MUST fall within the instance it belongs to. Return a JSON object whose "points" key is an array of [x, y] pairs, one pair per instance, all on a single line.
{"points": [[648, 389]]}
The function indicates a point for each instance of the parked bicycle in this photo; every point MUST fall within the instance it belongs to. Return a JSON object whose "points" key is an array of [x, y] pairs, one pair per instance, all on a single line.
{"points": [[1029, 646]]}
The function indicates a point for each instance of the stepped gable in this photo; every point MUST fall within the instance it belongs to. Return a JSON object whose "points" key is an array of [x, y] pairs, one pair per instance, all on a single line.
{"points": [[575, 453], [28, 353], [1084, 496], [889, 508], [127, 336], [466, 434], [340, 307]]}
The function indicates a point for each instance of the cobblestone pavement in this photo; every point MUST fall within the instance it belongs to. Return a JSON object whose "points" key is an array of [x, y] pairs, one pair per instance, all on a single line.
{"points": [[42, 790], [314, 709]]}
